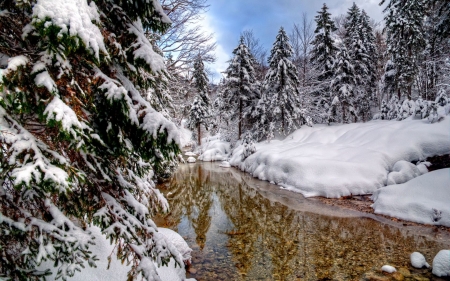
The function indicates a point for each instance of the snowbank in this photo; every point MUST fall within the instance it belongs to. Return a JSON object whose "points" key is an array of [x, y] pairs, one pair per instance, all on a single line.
{"points": [[340, 160], [214, 149], [118, 271], [424, 199]]}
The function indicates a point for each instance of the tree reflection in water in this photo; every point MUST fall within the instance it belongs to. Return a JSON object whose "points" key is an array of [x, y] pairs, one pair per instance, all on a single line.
{"points": [[244, 229]]}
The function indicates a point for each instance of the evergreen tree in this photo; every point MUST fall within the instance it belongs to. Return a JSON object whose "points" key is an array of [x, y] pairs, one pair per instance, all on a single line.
{"points": [[324, 50], [198, 115], [281, 91], [200, 111], [201, 81], [405, 39], [241, 85], [359, 40], [79, 142], [344, 83]]}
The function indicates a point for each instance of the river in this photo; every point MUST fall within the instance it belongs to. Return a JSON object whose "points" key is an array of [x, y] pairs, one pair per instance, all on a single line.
{"points": [[241, 228]]}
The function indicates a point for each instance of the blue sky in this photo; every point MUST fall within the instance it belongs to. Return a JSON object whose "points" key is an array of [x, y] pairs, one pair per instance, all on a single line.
{"points": [[228, 18]]}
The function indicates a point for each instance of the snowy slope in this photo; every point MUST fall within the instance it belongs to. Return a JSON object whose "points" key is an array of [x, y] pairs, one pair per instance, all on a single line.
{"points": [[334, 161], [416, 199]]}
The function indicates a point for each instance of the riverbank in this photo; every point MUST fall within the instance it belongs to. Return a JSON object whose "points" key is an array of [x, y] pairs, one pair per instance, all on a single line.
{"points": [[383, 158]]}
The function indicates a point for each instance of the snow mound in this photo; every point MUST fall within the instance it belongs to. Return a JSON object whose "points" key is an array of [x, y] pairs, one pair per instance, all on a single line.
{"points": [[335, 161], [418, 260], [225, 164], [441, 263], [189, 153], [214, 149], [388, 269], [191, 160], [402, 172], [424, 199]]}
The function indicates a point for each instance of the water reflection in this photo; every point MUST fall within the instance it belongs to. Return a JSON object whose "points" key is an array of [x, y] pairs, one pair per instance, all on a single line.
{"points": [[244, 229]]}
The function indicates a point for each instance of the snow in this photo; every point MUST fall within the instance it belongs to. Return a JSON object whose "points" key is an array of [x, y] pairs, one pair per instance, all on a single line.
{"points": [[388, 269], [423, 199], [214, 149], [185, 135], [178, 242], [418, 260], [15, 62], [189, 153], [339, 160], [117, 271], [57, 110], [144, 49], [191, 160], [43, 79], [441, 263], [402, 172], [74, 17], [225, 164]]}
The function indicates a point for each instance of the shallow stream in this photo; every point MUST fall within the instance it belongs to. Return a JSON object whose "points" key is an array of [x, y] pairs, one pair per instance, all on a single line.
{"points": [[241, 228]]}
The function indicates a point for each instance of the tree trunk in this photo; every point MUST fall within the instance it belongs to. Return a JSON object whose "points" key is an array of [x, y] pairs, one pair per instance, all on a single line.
{"points": [[198, 134]]}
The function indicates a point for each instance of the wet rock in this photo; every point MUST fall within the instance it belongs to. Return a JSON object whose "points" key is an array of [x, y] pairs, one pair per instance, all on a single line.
{"points": [[404, 271], [397, 276], [420, 278], [374, 277]]}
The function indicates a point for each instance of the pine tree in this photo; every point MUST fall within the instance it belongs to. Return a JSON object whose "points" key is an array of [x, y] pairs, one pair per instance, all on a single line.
{"points": [[280, 88], [201, 81], [79, 142], [344, 83], [198, 115], [405, 39], [200, 111], [241, 85], [322, 56], [324, 50]]}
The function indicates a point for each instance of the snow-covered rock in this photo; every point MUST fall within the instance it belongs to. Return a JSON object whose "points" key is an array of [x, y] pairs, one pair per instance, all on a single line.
{"points": [[190, 153], [178, 242], [424, 199], [214, 149], [402, 172], [388, 269], [225, 164], [191, 160], [339, 160], [418, 260], [441, 263]]}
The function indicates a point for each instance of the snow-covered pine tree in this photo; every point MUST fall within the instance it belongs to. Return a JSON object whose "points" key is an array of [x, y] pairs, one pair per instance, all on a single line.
{"points": [[322, 59], [79, 142], [241, 85], [201, 81], [198, 115], [371, 59], [405, 39], [344, 83], [200, 111], [324, 50], [280, 87]]}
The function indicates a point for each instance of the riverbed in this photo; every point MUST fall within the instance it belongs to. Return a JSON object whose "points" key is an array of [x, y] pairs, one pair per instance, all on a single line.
{"points": [[241, 228]]}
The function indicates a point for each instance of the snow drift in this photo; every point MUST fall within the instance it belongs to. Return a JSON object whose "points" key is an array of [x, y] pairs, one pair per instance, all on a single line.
{"points": [[424, 199], [340, 160]]}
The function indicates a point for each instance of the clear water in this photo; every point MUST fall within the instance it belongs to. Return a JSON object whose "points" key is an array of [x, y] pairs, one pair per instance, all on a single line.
{"points": [[243, 229]]}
